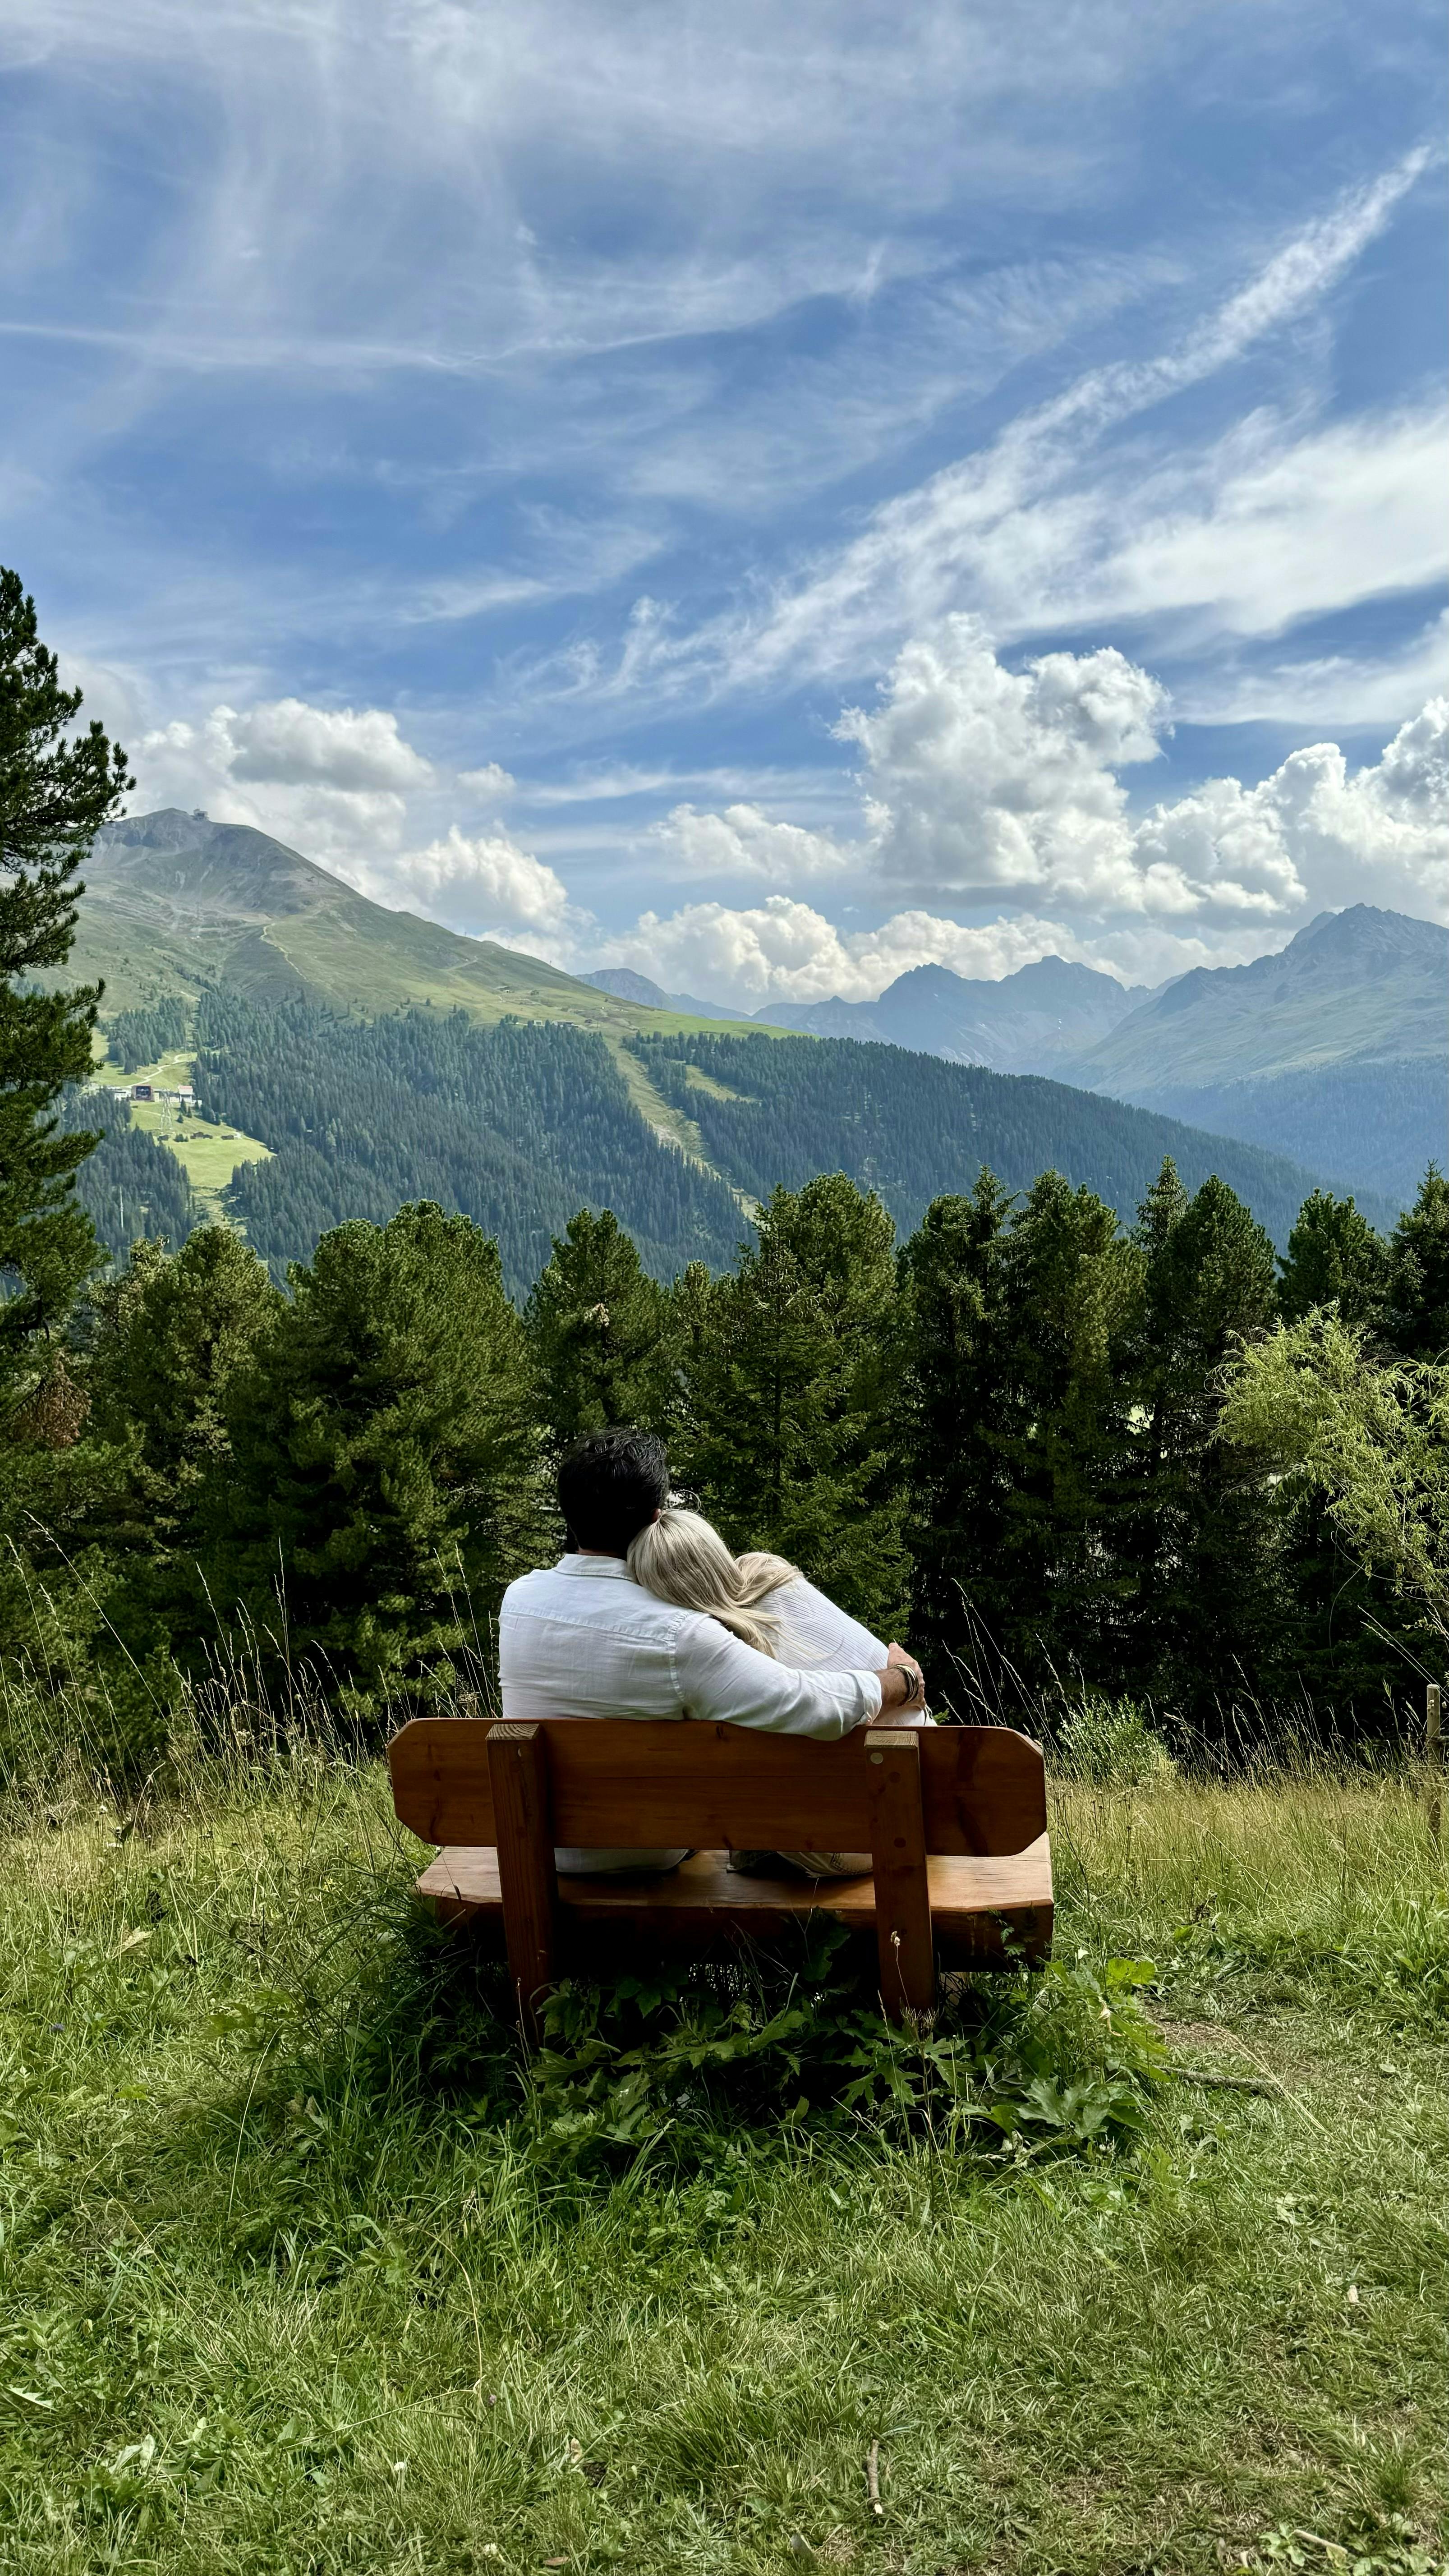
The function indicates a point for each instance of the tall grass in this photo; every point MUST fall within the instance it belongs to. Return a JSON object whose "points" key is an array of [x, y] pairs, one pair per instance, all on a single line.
{"points": [[296, 2274]]}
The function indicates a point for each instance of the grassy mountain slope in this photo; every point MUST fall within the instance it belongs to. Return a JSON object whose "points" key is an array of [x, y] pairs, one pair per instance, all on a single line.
{"points": [[174, 903], [912, 1127], [1335, 1051]]}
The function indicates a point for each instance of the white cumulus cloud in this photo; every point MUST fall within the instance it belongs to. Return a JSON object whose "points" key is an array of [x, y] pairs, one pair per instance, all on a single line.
{"points": [[291, 744], [743, 842], [481, 881], [978, 781], [490, 780], [333, 782]]}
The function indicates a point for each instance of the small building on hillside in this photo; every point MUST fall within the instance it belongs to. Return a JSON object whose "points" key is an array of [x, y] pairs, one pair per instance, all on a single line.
{"points": [[142, 1091]]}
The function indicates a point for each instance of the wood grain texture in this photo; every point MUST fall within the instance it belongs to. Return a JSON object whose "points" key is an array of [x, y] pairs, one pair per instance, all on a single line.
{"points": [[905, 1958], [518, 1775], [980, 1908], [658, 1782]]}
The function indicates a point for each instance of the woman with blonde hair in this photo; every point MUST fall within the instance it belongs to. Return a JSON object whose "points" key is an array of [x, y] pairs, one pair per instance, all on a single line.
{"points": [[772, 1606]]}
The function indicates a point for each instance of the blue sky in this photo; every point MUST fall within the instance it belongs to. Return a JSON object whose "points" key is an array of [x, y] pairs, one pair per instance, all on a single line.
{"points": [[769, 495]]}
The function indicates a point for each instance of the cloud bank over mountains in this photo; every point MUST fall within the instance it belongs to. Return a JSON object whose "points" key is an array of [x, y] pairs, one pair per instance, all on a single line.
{"points": [[978, 783]]}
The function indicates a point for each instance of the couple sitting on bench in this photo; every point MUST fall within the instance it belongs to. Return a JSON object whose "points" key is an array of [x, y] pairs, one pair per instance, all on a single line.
{"points": [[649, 1615], [550, 1822]]}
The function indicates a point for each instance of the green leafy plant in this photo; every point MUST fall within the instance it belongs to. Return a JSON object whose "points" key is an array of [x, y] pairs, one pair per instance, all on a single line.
{"points": [[1063, 2063]]}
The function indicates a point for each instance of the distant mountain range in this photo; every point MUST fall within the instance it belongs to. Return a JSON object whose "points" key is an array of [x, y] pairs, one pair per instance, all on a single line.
{"points": [[595, 1092], [1334, 1050], [1029, 1022], [626, 986]]}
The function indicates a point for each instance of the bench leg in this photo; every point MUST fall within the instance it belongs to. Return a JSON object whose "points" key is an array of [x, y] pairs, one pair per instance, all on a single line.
{"points": [[518, 1773], [898, 1859]]}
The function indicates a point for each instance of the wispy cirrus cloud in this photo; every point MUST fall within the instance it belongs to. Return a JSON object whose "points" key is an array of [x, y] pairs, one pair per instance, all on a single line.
{"points": [[422, 411], [1037, 531]]}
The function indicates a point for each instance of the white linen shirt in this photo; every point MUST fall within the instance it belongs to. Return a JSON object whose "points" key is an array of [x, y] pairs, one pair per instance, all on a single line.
{"points": [[583, 1639]]}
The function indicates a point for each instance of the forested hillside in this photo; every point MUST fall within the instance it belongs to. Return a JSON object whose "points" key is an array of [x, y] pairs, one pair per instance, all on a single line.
{"points": [[521, 1124], [1369, 1127], [130, 1186], [516, 1126], [911, 1126]]}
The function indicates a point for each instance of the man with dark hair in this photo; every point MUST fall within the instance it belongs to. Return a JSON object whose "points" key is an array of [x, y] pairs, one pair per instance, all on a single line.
{"points": [[583, 1639], [611, 1485]]}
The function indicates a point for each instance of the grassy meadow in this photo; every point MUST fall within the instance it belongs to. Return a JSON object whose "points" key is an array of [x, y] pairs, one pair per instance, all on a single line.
{"points": [[300, 2273], [210, 1152]]}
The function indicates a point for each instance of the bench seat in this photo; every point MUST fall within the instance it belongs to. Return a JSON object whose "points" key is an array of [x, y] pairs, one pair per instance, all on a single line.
{"points": [[974, 1899]]}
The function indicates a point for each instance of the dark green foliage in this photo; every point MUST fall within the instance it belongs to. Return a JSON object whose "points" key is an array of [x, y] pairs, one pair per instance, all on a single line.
{"points": [[1017, 1411], [168, 1336], [515, 1126], [1067, 2062], [1072, 1508], [597, 1332], [1334, 1258], [144, 1036], [129, 1187], [916, 1128], [789, 1389], [379, 1490], [56, 790], [164, 1338], [1058, 1416], [953, 1277], [1205, 1607], [1417, 1304]]}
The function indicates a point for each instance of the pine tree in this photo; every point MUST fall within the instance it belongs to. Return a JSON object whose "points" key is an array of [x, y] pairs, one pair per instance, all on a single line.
{"points": [[168, 1335], [953, 1415], [1334, 1257], [1201, 1542], [791, 1392], [1072, 1288], [56, 790], [597, 1331], [1417, 1300], [381, 1487]]}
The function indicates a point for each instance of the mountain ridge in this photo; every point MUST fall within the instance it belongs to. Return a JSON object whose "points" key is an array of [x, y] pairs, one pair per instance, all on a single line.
{"points": [[226, 904], [1233, 1023], [1334, 1050], [1027, 1022]]}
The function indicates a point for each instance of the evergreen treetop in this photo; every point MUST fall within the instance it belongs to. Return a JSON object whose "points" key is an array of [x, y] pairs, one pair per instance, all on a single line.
{"points": [[56, 789], [596, 1327], [381, 1486], [1334, 1257], [1417, 1298]]}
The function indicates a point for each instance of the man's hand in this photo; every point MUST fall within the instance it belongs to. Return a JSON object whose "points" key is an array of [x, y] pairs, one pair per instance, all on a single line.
{"points": [[902, 1684]]}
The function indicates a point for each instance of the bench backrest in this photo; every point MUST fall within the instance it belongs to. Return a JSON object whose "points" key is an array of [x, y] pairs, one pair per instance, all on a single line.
{"points": [[658, 1782]]}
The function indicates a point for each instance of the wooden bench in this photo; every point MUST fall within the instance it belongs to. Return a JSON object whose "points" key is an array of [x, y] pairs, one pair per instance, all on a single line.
{"points": [[954, 1818]]}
